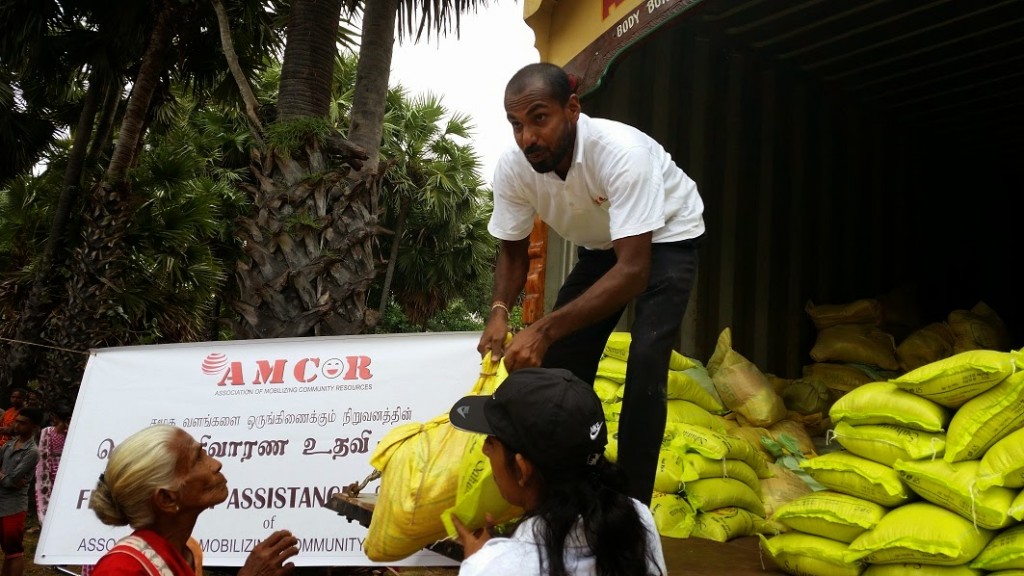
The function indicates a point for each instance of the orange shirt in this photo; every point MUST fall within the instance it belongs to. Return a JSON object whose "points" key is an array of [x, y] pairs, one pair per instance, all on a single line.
{"points": [[7, 421]]}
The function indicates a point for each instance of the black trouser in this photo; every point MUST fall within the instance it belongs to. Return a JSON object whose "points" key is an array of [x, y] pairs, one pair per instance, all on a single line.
{"points": [[659, 313]]}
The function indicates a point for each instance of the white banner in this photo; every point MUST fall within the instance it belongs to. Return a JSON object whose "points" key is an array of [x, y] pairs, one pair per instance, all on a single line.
{"points": [[293, 421]]}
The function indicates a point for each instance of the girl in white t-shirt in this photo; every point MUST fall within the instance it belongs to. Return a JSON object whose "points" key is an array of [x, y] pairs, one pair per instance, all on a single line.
{"points": [[546, 436]]}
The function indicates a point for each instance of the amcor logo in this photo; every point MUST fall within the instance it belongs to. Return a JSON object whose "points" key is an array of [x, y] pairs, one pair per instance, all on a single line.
{"points": [[302, 371]]}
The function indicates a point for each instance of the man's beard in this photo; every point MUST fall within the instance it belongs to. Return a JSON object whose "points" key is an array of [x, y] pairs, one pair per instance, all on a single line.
{"points": [[555, 157]]}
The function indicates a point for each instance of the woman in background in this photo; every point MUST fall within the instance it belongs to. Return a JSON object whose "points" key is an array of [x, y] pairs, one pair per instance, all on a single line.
{"points": [[51, 446]]}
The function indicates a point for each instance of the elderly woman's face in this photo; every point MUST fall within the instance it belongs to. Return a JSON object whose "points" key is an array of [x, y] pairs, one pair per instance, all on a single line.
{"points": [[203, 485]]}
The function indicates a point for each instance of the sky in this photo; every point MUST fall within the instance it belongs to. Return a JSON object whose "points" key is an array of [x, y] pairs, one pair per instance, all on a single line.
{"points": [[470, 72]]}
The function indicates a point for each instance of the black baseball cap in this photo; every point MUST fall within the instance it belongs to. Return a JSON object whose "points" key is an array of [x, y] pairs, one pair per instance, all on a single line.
{"points": [[546, 414]]}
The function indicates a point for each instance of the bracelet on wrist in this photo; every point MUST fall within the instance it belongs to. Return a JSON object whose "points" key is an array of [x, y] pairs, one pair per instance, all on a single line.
{"points": [[500, 305]]}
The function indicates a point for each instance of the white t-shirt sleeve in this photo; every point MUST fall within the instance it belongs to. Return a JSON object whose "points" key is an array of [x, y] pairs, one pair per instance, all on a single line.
{"points": [[512, 216]]}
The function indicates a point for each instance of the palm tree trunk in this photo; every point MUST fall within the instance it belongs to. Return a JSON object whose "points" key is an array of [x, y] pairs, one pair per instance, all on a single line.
{"points": [[372, 73], [138, 103], [308, 279], [105, 124], [385, 294], [251, 104], [309, 52]]}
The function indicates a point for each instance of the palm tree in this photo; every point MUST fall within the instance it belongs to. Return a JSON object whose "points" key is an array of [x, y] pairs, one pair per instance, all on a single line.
{"points": [[435, 205], [310, 250]]}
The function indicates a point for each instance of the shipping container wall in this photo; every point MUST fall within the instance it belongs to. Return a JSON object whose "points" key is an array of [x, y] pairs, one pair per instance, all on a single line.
{"points": [[809, 197]]}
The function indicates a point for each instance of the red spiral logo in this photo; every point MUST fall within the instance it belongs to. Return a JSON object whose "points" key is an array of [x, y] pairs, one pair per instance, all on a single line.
{"points": [[214, 363]]}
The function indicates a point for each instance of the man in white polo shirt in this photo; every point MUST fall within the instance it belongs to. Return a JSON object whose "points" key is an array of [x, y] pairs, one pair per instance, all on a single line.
{"points": [[635, 218]]}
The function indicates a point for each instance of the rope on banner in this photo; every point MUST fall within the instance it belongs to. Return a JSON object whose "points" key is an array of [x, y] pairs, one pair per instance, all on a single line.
{"points": [[44, 346]]}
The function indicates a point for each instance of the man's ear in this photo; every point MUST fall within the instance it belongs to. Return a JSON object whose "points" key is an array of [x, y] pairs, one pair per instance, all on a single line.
{"points": [[573, 107]]}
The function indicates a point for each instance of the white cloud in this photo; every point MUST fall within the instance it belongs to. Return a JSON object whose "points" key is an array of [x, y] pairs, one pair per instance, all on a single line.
{"points": [[470, 72]]}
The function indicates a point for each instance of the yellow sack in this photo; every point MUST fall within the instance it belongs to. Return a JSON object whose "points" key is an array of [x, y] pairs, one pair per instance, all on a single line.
{"points": [[1003, 463], [985, 419], [799, 553], [851, 474], [1016, 510], [1004, 552], [920, 532], [618, 347], [696, 386], [887, 403], [696, 467], [783, 487], [477, 493], [863, 311], [673, 516], [712, 493], [668, 476], [745, 389], [419, 465], [688, 385], [839, 378], [952, 486], [607, 390], [886, 443], [686, 411], [724, 524], [692, 385], [953, 381], [711, 444], [830, 514], [612, 410], [924, 346], [855, 344], [613, 369], [611, 450]]}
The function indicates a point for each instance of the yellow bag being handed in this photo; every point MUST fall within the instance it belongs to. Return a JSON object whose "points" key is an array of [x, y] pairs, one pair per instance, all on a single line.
{"points": [[478, 494], [419, 465]]}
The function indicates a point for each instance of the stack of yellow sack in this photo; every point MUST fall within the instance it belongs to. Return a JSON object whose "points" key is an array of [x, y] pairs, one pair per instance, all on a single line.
{"points": [[708, 482], [929, 481]]}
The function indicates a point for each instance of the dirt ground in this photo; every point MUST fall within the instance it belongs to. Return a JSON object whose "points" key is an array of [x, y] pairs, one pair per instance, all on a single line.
{"points": [[33, 569]]}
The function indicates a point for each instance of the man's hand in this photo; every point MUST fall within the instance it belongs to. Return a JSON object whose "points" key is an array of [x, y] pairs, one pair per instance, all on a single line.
{"points": [[493, 338], [269, 556], [527, 348], [473, 541]]}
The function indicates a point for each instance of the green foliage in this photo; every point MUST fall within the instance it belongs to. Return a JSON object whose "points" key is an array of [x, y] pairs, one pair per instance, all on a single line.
{"points": [[458, 316], [182, 241], [290, 136]]}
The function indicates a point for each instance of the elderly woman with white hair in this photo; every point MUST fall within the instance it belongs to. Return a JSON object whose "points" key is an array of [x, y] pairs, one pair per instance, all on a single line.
{"points": [[158, 481]]}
